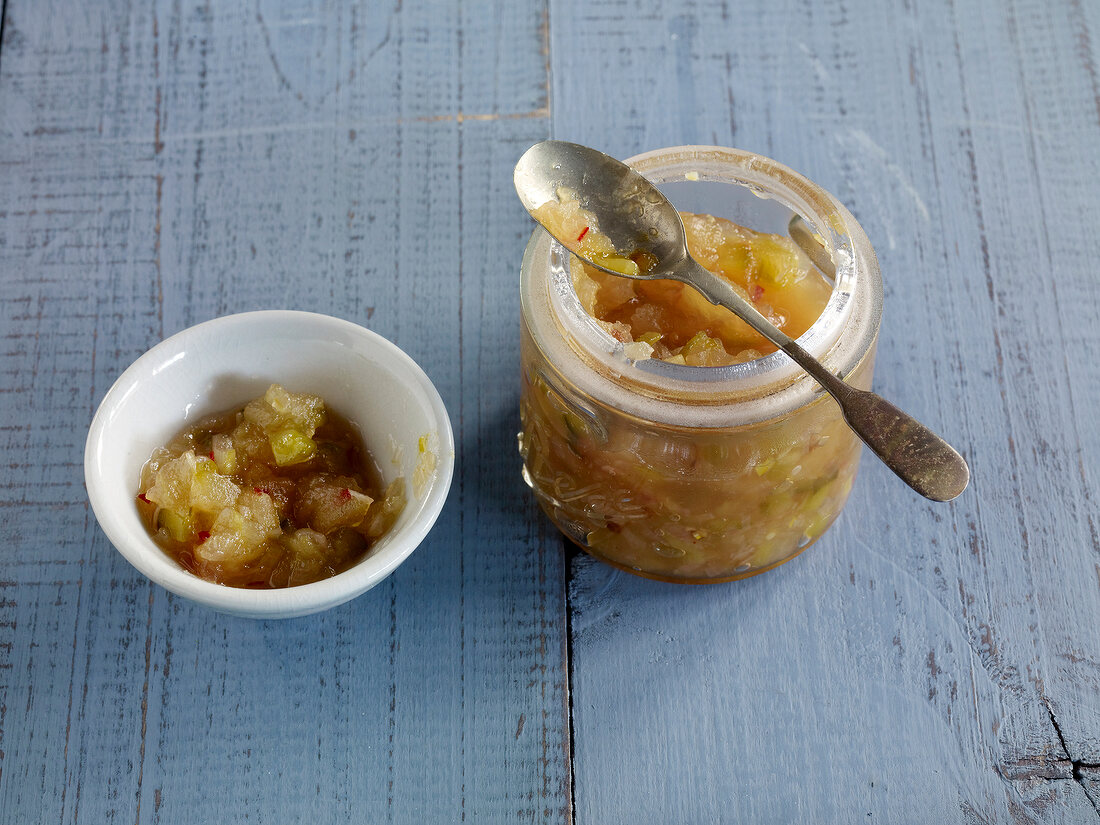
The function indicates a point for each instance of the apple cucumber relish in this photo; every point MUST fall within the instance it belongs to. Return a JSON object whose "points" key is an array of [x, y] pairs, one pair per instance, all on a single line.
{"points": [[722, 459], [280, 492]]}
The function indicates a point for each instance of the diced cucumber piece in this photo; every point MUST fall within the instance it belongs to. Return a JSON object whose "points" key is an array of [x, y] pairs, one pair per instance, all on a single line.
{"points": [[291, 446], [178, 525], [777, 262], [617, 263]]}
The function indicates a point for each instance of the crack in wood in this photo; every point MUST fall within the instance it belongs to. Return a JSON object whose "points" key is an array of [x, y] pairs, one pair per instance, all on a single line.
{"points": [[569, 552], [3, 17], [1077, 766], [1036, 767]]}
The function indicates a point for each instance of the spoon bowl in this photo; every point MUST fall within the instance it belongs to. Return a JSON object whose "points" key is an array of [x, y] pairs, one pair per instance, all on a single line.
{"points": [[643, 225], [632, 212]]}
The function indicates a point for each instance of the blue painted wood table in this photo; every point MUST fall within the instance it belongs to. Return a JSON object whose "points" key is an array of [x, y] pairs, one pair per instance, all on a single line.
{"points": [[166, 162]]}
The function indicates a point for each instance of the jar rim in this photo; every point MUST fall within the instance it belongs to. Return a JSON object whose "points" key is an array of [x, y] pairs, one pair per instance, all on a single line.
{"points": [[588, 357]]}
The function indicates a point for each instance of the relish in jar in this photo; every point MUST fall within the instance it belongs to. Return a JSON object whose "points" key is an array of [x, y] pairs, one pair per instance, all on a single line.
{"points": [[661, 433]]}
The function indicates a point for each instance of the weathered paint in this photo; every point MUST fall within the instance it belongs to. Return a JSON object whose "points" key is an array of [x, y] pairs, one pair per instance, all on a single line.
{"points": [[164, 163]]}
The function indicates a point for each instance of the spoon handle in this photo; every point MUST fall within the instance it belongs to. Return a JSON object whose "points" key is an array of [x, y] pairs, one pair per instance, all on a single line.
{"points": [[916, 455]]}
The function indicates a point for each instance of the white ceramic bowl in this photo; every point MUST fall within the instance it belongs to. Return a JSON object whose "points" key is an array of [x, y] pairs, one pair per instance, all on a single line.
{"points": [[224, 363]]}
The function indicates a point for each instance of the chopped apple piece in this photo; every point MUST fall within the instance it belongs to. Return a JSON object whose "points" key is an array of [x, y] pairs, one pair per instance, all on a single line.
{"points": [[328, 503], [172, 487], [225, 456], [210, 490]]}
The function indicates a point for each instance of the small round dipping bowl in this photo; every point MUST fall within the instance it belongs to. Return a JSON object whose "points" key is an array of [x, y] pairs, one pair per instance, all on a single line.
{"points": [[224, 363]]}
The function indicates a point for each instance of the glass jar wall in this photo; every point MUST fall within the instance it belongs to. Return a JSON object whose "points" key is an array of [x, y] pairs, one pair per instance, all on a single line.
{"points": [[696, 474]]}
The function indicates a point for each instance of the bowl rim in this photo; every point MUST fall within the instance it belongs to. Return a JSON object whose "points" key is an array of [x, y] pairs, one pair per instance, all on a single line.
{"points": [[281, 602]]}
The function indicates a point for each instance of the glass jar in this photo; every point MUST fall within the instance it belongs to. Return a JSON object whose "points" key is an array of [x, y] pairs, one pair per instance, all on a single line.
{"points": [[696, 474]]}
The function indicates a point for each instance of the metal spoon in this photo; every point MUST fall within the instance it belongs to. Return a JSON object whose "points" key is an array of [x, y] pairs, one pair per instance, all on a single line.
{"points": [[634, 214]]}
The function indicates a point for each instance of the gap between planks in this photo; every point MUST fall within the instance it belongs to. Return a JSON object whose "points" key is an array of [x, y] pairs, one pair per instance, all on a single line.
{"points": [[3, 9]]}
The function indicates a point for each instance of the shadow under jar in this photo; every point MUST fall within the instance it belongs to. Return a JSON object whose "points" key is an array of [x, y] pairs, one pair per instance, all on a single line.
{"points": [[696, 474]]}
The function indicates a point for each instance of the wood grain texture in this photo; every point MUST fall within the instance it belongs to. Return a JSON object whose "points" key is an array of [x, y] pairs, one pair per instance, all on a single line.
{"points": [[921, 663], [162, 164]]}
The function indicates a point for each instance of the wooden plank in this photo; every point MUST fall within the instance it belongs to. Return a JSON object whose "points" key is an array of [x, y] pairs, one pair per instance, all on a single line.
{"points": [[920, 658], [165, 164]]}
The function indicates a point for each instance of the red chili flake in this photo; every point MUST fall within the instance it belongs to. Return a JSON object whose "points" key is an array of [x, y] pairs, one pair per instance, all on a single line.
{"points": [[203, 535], [260, 490], [211, 455], [757, 293], [143, 497], [345, 494], [583, 233]]}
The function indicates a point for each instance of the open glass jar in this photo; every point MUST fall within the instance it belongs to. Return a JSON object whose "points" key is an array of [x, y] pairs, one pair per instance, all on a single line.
{"points": [[696, 474]]}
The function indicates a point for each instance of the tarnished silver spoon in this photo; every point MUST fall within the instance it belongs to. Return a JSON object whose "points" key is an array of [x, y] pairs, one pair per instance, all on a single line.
{"points": [[637, 218]]}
